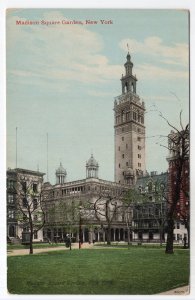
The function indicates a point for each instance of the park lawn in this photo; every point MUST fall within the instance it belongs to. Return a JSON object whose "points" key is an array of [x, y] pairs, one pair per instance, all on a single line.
{"points": [[137, 271]]}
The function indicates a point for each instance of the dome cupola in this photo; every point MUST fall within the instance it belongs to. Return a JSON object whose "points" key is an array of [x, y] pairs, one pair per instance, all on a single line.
{"points": [[60, 175], [92, 168]]}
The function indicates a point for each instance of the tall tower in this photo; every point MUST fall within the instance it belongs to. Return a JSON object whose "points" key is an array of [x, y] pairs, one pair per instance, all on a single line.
{"points": [[129, 130], [60, 175]]}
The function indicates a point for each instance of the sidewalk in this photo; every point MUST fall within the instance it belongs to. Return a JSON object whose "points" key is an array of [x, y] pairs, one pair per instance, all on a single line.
{"points": [[41, 250], [181, 291]]}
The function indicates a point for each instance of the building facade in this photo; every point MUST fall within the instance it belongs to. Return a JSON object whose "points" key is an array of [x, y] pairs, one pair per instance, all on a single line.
{"points": [[178, 179], [74, 208], [19, 180], [129, 130], [150, 217]]}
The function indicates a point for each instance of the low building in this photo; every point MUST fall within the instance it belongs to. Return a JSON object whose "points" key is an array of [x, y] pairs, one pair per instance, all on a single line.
{"points": [[179, 180], [78, 207], [17, 179], [150, 218]]}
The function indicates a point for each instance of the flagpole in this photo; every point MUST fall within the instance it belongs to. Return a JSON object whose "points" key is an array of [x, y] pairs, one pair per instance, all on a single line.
{"points": [[16, 147], [47, 160]]}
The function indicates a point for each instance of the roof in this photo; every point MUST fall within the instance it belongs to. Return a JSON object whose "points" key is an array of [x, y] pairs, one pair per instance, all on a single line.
{"points": [[61, 170], [25, 171], [92, 162]]}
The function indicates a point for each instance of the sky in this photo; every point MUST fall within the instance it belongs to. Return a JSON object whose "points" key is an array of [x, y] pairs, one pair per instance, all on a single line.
{"points": [[62, 80]]}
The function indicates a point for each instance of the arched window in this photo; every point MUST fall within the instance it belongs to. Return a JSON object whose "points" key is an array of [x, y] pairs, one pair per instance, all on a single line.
{"points": [[150, 186], [126, 87], [122, 116]]}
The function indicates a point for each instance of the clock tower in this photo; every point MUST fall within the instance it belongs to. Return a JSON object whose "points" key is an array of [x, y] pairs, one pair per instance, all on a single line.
{"points": [[129, 130]]}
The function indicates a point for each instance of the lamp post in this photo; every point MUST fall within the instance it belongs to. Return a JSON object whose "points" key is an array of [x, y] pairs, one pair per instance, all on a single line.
{"points": [[80, 229]]}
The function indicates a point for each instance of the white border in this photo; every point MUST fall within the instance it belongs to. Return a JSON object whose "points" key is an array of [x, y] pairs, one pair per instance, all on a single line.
{"points": [[134, 4]]}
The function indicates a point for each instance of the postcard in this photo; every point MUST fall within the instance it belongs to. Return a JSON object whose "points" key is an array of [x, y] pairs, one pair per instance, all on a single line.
{"points": [[97, 121]]}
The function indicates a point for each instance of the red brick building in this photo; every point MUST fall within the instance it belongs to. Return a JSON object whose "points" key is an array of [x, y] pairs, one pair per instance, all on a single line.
{"points": [[178, 176]]}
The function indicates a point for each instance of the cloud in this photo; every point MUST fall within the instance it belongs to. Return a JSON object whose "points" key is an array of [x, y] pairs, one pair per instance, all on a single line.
{"points": [[153, 46], [97, 93], [150, 71], [60, 52]]}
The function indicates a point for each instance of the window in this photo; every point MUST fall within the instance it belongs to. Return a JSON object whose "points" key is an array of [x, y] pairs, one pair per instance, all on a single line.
{"points": [[127, 163], [35, 235], [24, 202], [134, 116], [150, 235], [122, 138], [35, 203], [24, 186], [126, 146], [139, 165], [150, 187], [119, 165], [11, 214], [24, 217], [10, 184], [139, 147], [10, 198], [119, 148], [35, 187], [123, 155], [35, 217], [139, 139], [178, 225], [139, 155], [123, 129], [117, 119]]}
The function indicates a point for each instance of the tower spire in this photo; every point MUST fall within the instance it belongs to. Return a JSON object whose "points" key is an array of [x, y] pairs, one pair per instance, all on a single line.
{"points": [[129, 129]]}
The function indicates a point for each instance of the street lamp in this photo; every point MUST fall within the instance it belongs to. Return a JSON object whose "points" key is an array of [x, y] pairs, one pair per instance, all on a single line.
{"points": [[80, 229]]}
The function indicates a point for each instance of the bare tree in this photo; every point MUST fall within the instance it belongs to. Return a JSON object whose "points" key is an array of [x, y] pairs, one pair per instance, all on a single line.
{"points": [[30, 213], [108, 207], [178, 146]]}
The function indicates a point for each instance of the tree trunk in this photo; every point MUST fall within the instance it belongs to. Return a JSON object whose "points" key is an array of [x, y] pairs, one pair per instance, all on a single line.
{"points": [[160, 232], [169, 244], [128, 235], [31, 243], [109, 235], [31, 234]]}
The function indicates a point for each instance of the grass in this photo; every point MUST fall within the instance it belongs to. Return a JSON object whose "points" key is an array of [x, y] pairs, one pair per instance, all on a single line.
{"points": [[98, 271]]}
